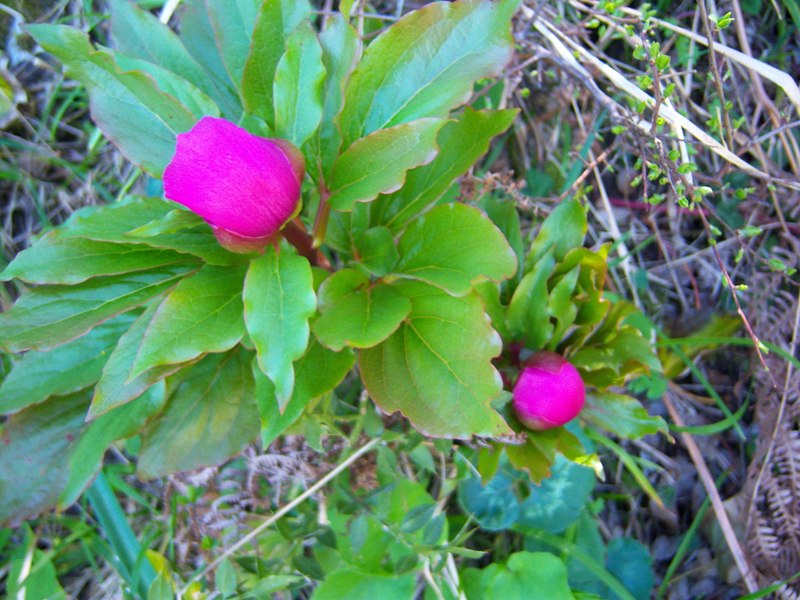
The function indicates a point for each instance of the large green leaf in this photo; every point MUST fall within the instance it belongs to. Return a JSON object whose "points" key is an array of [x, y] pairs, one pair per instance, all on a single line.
{"points": [[621, 415], [276, 20], [139, 34], [198, 37], [318, 372], [48, 316], [526, 576], [34, 452], [150, 221], [298, 87], [436, 368], [233, 22], [357, 585], [356, 313], [454, 247], [461, 143], [340, 48], [54, 259], [210, 417], [114, 387], [278, 302], [377, 164], [202, 314], [426, 64], [139, 118], [86, 456], [67, 369]]}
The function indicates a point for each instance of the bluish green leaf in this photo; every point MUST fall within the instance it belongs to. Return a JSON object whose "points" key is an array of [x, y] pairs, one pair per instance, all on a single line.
{"points": [[86, 457], [139, 118], [233, 22], [356, 313], [34, 452], [426, 64], [278, 302], [210, 417], [48, 316], [140, 35], [276, 20], [454, 247], [202, 314], [377, 163], [298, 87], [436, 368], [629, 561], [67, 369]]}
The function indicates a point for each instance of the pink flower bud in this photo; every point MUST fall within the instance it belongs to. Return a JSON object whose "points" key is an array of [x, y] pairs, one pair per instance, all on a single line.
{"points": [[245, 186], [549, 392]]}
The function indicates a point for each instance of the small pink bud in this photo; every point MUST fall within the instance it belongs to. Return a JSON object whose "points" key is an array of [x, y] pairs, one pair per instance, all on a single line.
{"points": [[549, 392], [245, 186]]}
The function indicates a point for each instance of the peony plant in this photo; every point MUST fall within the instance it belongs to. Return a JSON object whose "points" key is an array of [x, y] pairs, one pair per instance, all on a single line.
{"points": [[309, 245]]}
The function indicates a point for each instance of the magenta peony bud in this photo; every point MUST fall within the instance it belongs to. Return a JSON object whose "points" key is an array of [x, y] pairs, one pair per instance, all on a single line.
{"points": [[549, 392], [245, 186]]}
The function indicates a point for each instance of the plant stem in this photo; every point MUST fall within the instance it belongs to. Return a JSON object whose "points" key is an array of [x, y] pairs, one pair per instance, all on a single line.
{"points": [[323, 212], [295, 233]]}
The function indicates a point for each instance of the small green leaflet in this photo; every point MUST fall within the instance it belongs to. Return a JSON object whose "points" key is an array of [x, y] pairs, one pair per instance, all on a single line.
{"points": [[202, 314], [357, 313], [454, 247]]}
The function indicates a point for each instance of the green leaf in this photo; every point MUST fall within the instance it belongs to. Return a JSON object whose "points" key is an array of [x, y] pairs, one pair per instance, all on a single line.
{"points": [[276, 20], [298, 87], [377, 164], [114, 388], [461, 143], [357, 585], [340, 49], [556, 503], [210, 417], [233, 22], [202, 314], [54, 259], [34, 451], [318, 372], [139, 118], [194, 99], [621, 415], [376, 251], [278, 302], [198, 37], [140, 35], [48, 316], [527, 317], [629, 561], [86, 458], [454, 247], [356, 313], [503, 213], [562, 230], [150, 221], [426, 64], [524, 572], [436, 368], [67, 369]]}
